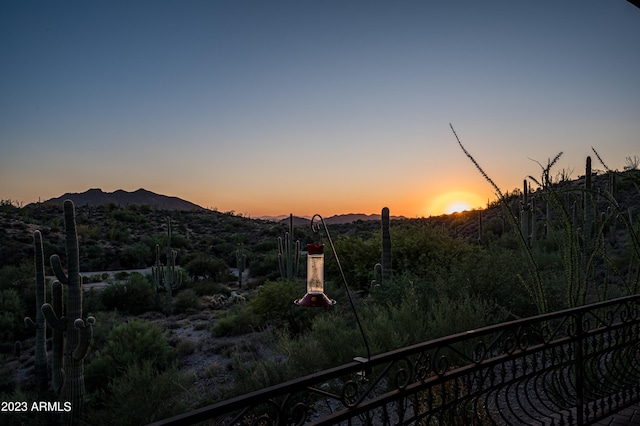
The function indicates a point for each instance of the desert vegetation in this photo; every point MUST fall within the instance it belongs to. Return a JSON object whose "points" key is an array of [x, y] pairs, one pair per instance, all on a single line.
{"points": [[189, 330]]}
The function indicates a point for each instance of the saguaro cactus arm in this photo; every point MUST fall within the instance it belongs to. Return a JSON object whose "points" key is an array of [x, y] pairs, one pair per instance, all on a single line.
{"points": [[56, 265], [54, 321], [377, 273], [85, 332], [41, 296]]}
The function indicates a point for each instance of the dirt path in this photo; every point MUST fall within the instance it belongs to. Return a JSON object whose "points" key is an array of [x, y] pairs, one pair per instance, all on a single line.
{"points": [[145, 271]]}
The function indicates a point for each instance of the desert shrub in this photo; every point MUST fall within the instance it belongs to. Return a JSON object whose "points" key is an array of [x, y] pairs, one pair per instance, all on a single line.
{"points": [[422, 249], [490, 274], [266, 265], [122, 215], [448, 316], [17, 276], [206, 267], [135, 296], [186, 302], [7, 381], [11, 315], [121, 275], [273, 304], [128, 345], [209, 287], [105, 322], [142, 394], [118, 233], [253, 373], [236, 321], [137, 256], [95, 258], [92, 301], [335, 339], [185, 347], [359, 255]]}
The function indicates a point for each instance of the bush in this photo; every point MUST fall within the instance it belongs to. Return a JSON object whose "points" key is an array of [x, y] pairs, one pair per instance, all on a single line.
{"points": [[11, 315], [142, 394], [185, 347], [334, 338], [234, 322], [138, 256], [128, 345], [186, 302], [135, 296], [209, 288], [206, 267], [274, 306], [92, 301], [253, 374], [361, 256]]}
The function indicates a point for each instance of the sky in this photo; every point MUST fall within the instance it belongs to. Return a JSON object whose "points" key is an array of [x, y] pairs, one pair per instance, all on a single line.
{"points": [[304, 107]]}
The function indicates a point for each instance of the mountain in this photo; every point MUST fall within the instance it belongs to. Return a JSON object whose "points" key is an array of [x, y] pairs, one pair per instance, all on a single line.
{"points": [[332, 220], [97, 197]]}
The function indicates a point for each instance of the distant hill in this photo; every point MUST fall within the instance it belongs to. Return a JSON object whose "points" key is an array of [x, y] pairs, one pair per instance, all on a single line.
{"points": [[97, 197], [332, 220]]}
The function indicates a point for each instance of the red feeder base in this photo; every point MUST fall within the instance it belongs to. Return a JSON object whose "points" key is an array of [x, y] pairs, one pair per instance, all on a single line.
{"points": [[315, 300]]}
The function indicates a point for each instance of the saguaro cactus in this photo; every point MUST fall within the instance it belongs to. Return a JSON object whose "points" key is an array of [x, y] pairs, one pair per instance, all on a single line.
{"points": [[77, 332], [289, 254], [157, 275], [167, 278], [525, 214], [383, 271], [241, 262], [588, 202], [40, 325]]}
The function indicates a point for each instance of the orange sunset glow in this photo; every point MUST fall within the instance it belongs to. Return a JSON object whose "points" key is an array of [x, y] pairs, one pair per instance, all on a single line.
{"points": [[453, 202]]}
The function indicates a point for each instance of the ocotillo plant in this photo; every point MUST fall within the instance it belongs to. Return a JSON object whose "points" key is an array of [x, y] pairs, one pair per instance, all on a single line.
{"points": [[40, 325], [167, 278], [289, 254], [77, 332], [382, 271], [241, 262], [535, 288]]}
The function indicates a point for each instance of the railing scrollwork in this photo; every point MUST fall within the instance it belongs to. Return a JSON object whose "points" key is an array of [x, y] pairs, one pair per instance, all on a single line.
{"points": [[572, 367]]}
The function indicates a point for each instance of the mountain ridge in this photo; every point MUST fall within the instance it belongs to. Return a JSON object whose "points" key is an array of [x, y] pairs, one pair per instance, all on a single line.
{"points": [[120, 197], [96, 197], [331, 220]]}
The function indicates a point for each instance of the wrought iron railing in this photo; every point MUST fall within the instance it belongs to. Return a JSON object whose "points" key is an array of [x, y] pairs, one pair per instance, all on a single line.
{"points": [[572, 367]]}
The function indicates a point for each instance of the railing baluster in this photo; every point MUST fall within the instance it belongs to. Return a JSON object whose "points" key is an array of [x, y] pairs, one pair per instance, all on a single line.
{"points": [[579, 368]]}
